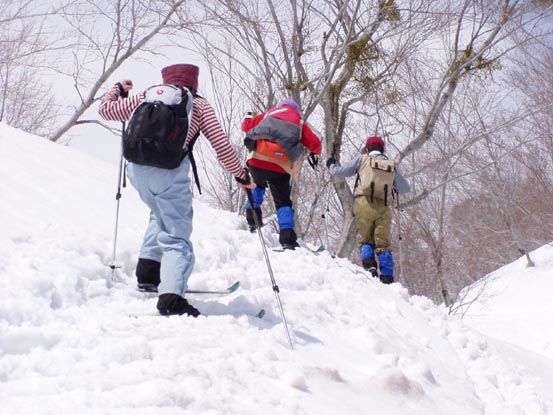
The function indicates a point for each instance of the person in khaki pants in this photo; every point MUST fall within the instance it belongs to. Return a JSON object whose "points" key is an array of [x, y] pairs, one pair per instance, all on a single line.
{"points": [[378, 179]]}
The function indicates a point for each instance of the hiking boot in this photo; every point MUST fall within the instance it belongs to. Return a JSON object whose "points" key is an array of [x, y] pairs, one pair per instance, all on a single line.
{"points": [[287, 237], [373, 271], [173, 304], [386, 279], [147, 288], [369, 264], [250, 219], [147, 274], [290, 245]]}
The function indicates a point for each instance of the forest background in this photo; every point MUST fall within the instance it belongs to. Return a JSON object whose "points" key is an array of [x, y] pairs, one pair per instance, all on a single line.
{"points": [[461, 91]]}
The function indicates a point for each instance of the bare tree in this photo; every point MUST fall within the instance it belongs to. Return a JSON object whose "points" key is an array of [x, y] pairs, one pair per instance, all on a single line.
{"points": [[341, 58], [229, 104], [107, 34], [26, 101], [323, 53]]}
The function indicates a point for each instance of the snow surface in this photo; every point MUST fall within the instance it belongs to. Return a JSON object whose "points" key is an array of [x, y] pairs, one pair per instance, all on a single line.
{"points": [[514, 303], [74, 341]]}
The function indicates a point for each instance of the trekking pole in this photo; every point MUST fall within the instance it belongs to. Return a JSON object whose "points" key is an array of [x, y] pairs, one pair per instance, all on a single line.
{"points": [[238, 210], [325, 217], [399, 237], [327, 209], [273, 282], [320, 191], [113, 265]]}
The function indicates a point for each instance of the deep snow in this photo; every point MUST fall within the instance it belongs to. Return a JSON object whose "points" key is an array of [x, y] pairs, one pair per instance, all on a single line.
{"points": [[72, 341], [514, 303]]}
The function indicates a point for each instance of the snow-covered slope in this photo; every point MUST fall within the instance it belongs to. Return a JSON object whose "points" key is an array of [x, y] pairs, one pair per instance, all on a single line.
{"points": [[514, 303], [72, 341]]}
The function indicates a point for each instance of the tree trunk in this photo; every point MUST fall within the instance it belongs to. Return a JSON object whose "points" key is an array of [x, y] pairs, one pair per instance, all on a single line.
{"points": [[348, 233]]}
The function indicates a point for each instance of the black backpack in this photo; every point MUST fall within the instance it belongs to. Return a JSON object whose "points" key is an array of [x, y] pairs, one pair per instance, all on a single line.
{"points": [[157, 131]]}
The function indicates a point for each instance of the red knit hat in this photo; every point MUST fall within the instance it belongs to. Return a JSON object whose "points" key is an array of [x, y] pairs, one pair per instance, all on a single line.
{"points": [[181, 74], [375, 141]]}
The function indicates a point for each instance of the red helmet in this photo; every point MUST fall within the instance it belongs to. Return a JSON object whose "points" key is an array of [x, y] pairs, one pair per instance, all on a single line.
{"points": [[374, 141]]}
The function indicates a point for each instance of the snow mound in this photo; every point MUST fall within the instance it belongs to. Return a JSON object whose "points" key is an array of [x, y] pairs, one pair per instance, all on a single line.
{"points": [[72, 340], [514, 304]]}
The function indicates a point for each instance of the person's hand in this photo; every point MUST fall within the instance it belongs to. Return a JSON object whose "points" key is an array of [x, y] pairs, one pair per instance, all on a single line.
{"points": [[331, 160], [247, 183], [125, 85], [251, 114], [313, 160]]}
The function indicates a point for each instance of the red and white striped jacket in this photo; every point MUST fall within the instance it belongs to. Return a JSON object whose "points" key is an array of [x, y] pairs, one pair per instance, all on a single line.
{"points": [[115, 108]]}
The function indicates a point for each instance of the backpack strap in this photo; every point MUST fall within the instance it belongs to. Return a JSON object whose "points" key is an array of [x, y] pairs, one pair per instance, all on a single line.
{"points": [[372, 192], [357, 177], [188, 152]]}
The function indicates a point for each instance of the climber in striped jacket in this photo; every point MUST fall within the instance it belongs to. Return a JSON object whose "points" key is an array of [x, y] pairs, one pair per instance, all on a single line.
{"points": [[166, 258]]}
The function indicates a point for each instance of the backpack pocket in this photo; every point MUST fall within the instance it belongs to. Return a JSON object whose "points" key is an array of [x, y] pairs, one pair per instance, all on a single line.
{"points": [[271, 149]]}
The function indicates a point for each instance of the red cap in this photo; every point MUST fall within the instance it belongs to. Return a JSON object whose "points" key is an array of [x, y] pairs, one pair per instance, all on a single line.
{"points": [[375, 141], [181, 74]]}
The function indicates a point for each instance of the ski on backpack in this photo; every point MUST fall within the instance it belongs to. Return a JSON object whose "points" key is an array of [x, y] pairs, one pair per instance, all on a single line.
{"points": [[151, 288]]}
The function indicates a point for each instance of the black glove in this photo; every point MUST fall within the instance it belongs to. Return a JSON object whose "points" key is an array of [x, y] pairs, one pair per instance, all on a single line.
{"points": [[122, 92], [331, 160], [247, 181], [313, 160]]}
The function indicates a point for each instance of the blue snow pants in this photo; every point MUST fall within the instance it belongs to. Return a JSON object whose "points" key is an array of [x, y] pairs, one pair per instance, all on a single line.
{"points": [[167, 239]]}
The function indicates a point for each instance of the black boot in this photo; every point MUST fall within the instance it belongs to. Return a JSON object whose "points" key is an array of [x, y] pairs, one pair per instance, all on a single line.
{"points": [[251, 221], [173, 304], [288, 239], [147, 274], [370, 265], [386, 279]]}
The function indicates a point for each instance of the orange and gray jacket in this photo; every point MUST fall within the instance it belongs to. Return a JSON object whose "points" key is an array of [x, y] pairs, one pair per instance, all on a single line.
{"points": [[286, 133], [308, 138]]}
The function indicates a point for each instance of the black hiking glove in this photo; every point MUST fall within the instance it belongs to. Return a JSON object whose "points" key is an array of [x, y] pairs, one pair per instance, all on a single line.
{"points": [[124, 87], [313, 160], [331, 160], [247, 181]]}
